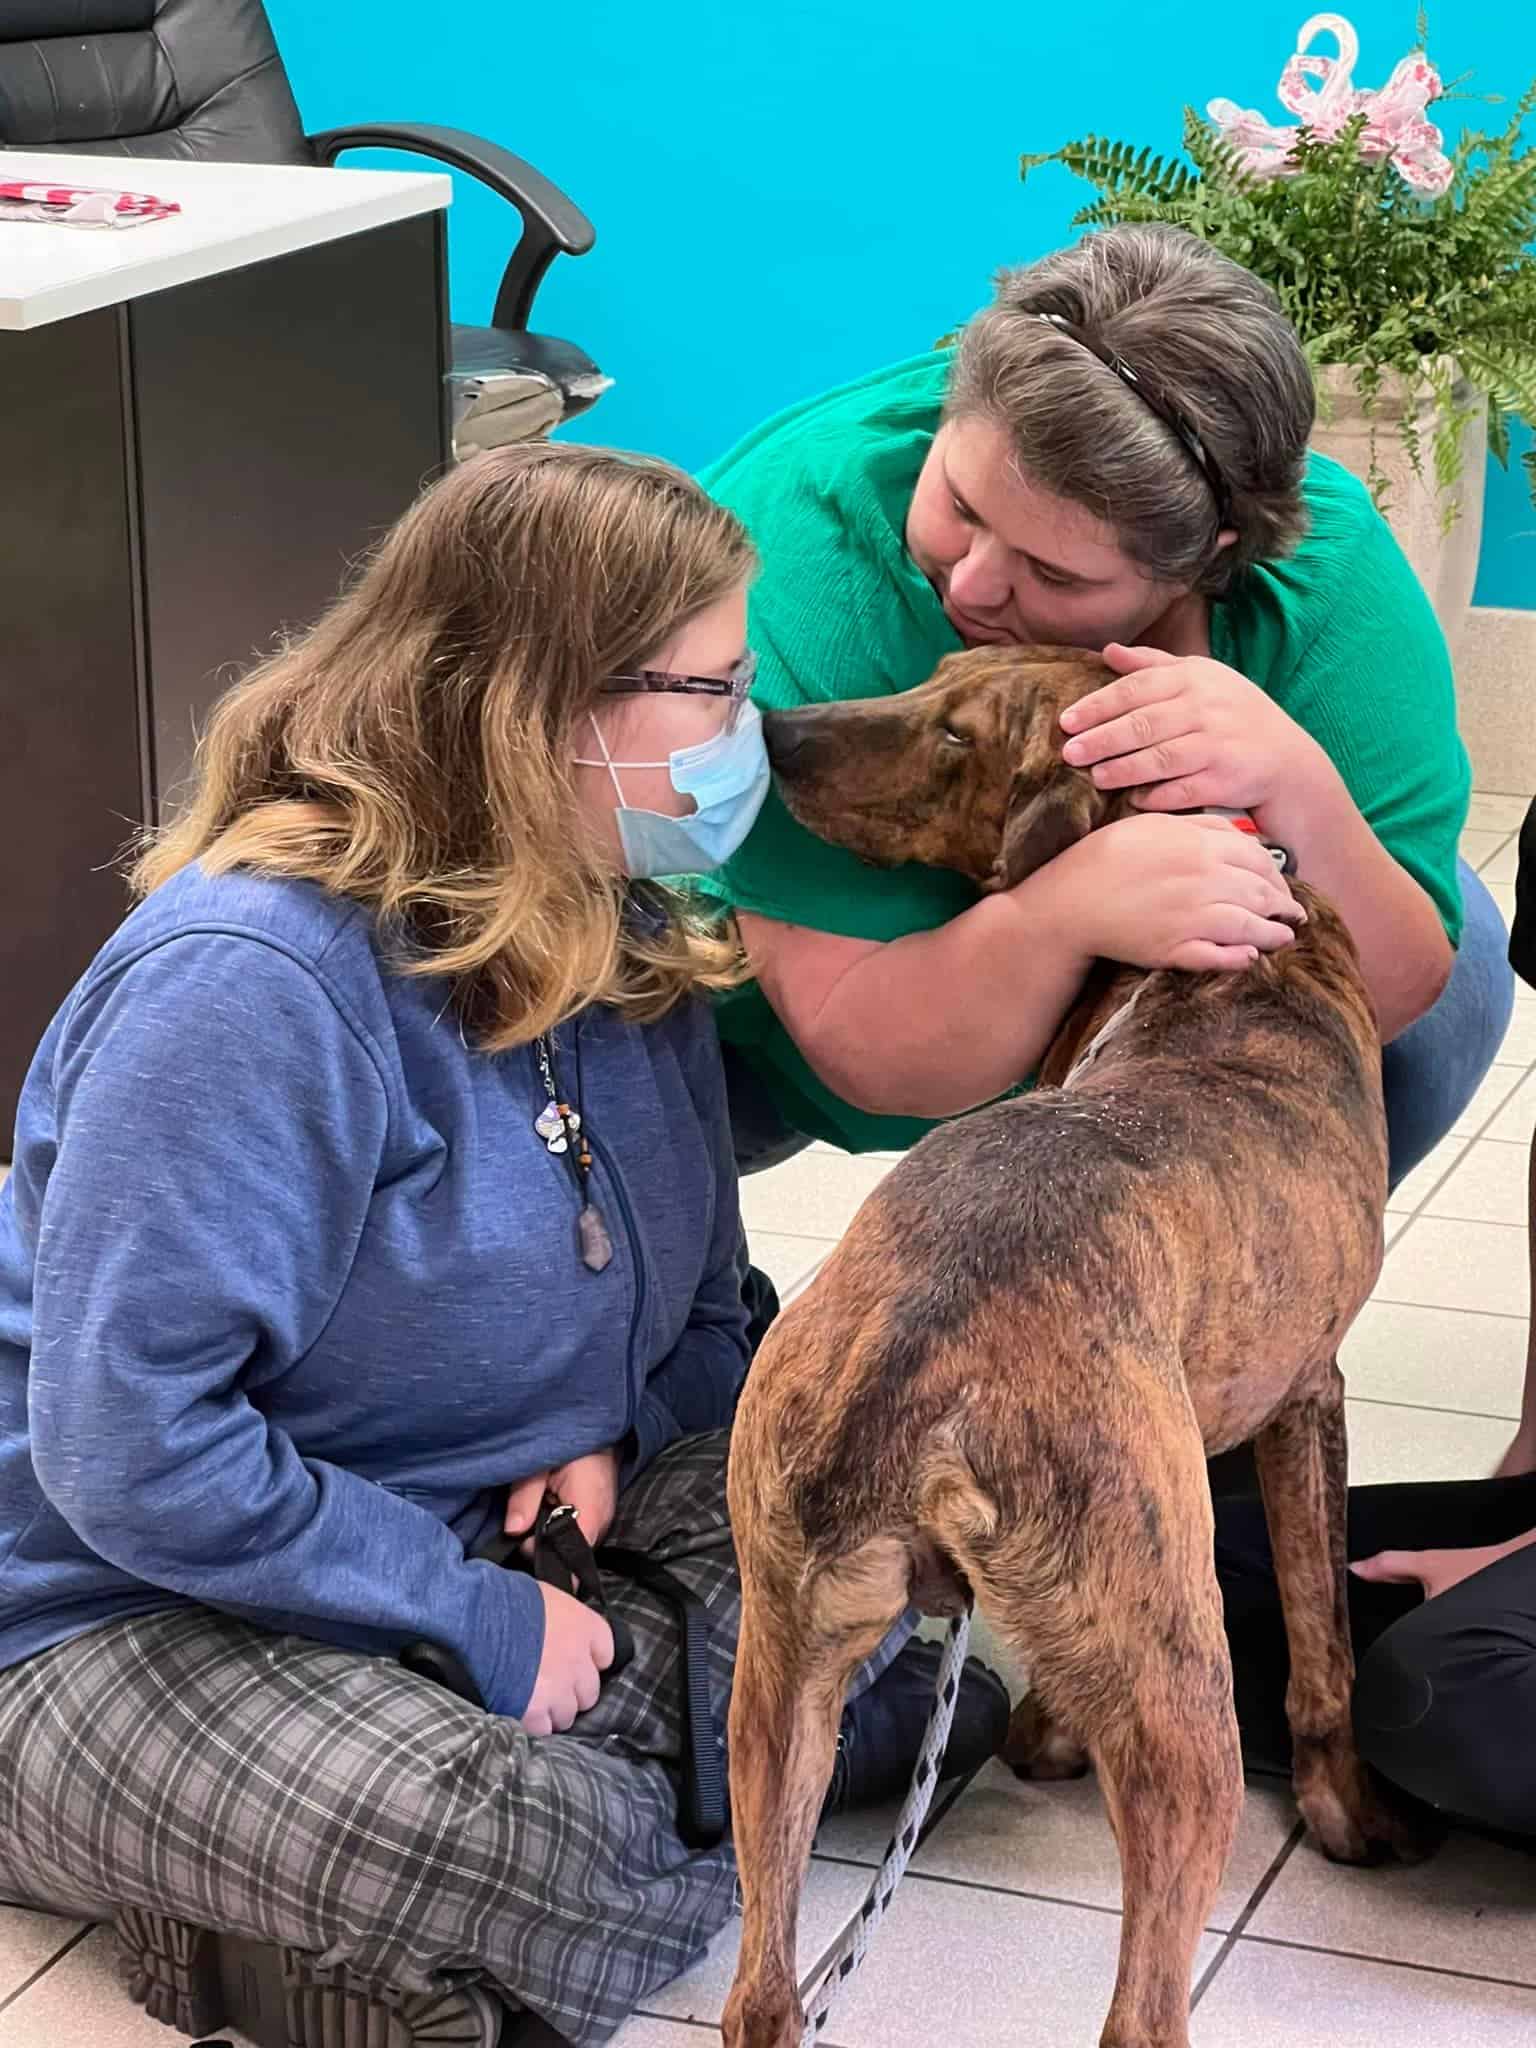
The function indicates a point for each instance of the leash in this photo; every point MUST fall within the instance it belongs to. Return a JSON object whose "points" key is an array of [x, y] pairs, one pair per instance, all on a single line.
{"points": [[852, 1945], [562, 1557], [703, 1807]]}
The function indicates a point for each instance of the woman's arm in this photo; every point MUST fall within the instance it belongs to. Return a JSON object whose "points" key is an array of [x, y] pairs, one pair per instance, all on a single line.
{"points": [[926, 1026], [941, 1021], [221, 1128]]}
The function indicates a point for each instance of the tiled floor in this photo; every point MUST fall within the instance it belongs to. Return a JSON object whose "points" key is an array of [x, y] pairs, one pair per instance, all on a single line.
{"points": [[1004, 1935]]}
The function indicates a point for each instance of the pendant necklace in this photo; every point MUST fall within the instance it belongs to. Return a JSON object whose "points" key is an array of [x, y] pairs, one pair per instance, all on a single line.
{"points": [[559, 1124]]}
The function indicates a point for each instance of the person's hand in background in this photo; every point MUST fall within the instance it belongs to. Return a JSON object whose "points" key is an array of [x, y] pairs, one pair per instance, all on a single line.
{"points": [[1435, 1570], [1520, 1458]]}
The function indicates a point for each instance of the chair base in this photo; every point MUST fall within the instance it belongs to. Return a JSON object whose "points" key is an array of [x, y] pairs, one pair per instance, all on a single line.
{"points": [[197, 1981]]}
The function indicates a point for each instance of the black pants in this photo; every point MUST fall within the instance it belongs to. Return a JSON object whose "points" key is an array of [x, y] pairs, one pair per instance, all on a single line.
{"points": [[1445, 1694]]}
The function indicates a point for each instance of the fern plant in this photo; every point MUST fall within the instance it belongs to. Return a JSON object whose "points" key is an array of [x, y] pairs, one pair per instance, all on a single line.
{"points": [[1374, 275]]}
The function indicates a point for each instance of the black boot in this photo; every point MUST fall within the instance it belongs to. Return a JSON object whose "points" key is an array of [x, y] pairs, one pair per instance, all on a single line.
{"points": [[883, 1730]]}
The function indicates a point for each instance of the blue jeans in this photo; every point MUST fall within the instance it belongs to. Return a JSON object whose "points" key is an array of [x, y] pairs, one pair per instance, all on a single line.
{"points": [[1431, 1071]]}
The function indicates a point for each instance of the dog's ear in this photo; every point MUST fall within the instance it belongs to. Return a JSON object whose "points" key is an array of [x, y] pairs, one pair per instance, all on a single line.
{"points": [[1044, 819]]}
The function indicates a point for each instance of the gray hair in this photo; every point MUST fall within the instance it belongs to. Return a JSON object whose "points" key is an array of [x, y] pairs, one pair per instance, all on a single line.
{"points": [[1209, 337]]}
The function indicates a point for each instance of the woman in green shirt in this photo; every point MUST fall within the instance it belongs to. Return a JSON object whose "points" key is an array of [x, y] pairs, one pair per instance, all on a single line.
{"points": [[1114, 457]]}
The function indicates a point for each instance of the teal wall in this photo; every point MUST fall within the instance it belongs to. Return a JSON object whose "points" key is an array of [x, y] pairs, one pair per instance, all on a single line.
{"points": [[788, 193]]}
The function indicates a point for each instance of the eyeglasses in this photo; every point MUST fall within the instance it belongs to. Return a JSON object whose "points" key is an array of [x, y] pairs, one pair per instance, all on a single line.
{"points": [[661, 682]]}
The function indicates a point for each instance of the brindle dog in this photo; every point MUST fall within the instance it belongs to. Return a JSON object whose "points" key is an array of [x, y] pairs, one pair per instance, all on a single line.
{"points": [[1007, 1378]]}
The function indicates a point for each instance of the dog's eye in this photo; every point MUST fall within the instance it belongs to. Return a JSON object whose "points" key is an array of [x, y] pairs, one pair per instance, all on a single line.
{"points": [[952, 738]]}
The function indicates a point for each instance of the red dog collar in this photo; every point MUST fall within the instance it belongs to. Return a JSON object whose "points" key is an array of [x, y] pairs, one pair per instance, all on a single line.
{"points": [[1282, 856]]}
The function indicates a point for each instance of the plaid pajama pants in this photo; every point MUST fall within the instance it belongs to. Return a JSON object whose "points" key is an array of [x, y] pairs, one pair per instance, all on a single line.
{"points": [[268, 1786]]}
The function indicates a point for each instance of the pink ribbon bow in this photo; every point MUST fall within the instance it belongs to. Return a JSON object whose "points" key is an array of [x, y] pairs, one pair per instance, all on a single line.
{"points": [[1395, 127]]}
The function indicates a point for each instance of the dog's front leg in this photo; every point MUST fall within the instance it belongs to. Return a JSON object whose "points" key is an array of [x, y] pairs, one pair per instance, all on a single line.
{"points": [[1302, 1460]]}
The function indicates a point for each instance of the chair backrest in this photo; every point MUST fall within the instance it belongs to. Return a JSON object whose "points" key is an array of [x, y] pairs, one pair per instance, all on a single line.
{"points": [[180, 78]]}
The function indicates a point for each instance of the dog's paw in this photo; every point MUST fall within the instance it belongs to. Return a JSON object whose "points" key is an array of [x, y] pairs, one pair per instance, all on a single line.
{"points": [[762, 2020], [1356, 1818], [1038, 1748]]}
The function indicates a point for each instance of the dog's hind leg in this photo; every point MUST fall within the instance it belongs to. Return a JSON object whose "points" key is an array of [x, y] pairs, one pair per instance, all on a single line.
{"points": [[801, 1641], [1170, 1765], [1302, 1461], [1122, 1628]]}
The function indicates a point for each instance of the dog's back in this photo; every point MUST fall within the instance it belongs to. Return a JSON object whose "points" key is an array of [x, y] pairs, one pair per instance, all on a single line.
{"points": [[1200, 1203]]}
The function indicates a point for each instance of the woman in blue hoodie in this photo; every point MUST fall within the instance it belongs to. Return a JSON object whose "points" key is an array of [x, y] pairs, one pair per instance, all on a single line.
{"points": [[373, 1192]]}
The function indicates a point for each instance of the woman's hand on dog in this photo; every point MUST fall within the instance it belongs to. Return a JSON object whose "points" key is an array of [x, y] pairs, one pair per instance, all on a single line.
{"points": [[1179, 733], [1171, 892], [1188, 731]]}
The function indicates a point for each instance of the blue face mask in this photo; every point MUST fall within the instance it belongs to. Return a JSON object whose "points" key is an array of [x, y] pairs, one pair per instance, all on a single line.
{"points": [[726, 776]]}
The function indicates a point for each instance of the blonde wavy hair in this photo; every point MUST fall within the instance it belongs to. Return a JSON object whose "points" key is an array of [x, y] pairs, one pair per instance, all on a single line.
{"points": [[413, 750]]}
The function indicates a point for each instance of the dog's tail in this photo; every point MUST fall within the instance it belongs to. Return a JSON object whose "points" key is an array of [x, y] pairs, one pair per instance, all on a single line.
{"points": [[1006, 1547], [952, 1504], [955, 1520]]}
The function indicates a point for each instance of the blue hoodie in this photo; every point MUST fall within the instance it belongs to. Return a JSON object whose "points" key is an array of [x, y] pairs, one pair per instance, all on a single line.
{"points": [[290, 1288]]}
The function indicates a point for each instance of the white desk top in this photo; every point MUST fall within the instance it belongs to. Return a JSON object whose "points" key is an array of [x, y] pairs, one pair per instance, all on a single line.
{"points": [[232, 214]]}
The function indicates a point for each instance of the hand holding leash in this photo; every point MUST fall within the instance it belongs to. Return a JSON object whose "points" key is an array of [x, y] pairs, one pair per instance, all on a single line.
{"points": [[583, 1643]]}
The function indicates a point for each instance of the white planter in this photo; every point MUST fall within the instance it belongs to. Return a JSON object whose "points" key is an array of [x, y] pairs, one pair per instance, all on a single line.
{"points": [[1445, 562]]}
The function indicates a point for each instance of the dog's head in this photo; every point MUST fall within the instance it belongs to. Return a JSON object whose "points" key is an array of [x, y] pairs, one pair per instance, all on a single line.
{"points": [[964, 772]]}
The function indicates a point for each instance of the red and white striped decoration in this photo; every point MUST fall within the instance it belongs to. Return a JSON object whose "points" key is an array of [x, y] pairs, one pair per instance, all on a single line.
{"points": [[93, 206]]}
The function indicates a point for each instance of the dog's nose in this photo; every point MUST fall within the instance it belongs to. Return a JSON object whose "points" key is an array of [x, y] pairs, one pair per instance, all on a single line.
{"points": [[784, 735]]}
